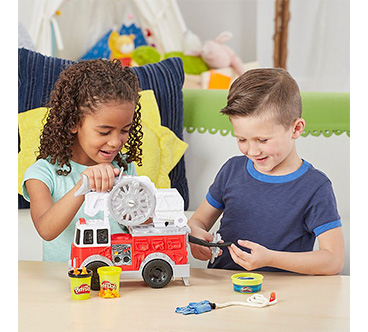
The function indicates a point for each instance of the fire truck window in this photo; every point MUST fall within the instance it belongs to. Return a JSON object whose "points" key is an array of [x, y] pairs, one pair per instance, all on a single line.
{"points": [[102, 236], [88, 236], [77, 236]]}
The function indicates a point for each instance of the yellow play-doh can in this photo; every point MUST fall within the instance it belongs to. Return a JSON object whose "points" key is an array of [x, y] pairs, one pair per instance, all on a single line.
{"points": [[109, 278], [80, 284], [247, 282]]}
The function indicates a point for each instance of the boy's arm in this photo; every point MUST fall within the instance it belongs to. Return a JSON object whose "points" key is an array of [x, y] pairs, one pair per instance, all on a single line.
{"points": [[328, 260], [200, 223]]}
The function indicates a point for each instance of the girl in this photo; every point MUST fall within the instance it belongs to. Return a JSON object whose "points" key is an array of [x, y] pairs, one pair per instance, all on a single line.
{"points": [[94, 113]]}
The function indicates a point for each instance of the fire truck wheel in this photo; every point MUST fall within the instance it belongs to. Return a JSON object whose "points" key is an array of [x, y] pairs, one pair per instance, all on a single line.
{"points": [[95, 280], [157, 273]]}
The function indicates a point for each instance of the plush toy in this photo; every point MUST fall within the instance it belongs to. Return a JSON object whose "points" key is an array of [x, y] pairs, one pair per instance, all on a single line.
{"points": [[145, 54], [121, 47], [216, 55], [193, 65], [191, 43]]}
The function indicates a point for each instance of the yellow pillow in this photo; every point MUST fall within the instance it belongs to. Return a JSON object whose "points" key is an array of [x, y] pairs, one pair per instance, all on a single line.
{"points": [[30, 125], [161, 148]]}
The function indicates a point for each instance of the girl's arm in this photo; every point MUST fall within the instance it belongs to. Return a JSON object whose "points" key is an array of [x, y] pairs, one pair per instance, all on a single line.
{"points": [[328, 260], [49, 218], [200, 223]]}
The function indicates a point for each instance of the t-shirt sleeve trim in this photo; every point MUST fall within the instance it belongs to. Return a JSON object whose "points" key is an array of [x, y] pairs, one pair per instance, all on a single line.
{"points": [[326, 227], [214, 203]]}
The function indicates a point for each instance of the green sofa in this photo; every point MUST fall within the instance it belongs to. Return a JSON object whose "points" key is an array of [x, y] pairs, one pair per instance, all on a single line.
{"points": [[325, 113]]}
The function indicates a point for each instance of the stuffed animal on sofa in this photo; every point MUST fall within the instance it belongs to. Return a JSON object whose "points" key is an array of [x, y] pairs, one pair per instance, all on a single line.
{"points": [[121, 47], [217, 55]]}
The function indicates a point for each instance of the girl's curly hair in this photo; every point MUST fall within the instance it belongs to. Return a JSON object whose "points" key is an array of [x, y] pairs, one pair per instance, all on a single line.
{"points": [[80, 89]]}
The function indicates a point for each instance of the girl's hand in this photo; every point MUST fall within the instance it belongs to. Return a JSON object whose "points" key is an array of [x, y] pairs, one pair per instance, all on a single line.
{"points": [[101, 176], [198, 251], [258, 257]]}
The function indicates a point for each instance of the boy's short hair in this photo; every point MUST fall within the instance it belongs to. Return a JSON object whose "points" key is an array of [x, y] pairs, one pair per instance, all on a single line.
{"points": [[265, 91]]}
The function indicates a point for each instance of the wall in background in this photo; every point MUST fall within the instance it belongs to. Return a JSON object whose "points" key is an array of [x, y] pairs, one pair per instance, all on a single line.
{"points": [[318, 42], [208, 18], [318, 38]]}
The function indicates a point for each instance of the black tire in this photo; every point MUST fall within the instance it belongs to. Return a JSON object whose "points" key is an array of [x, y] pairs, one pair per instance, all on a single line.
{"points": [[157, 273], [95, 280]]}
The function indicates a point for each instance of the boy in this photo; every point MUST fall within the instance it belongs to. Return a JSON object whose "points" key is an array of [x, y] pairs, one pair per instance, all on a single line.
{"points": [[274, 204]]}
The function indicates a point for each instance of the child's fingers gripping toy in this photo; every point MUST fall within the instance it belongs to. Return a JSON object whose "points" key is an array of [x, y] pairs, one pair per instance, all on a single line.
{"points": [[215, 246]]}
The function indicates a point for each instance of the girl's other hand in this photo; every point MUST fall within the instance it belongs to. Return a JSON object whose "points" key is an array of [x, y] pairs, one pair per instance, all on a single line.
{"points": [[101, 176]]}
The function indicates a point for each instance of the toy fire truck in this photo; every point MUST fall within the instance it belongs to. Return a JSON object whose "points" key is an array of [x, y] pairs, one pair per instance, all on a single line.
{"points": [[156, 252]]}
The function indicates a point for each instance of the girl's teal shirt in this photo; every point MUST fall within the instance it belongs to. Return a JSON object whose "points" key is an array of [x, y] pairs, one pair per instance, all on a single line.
{"points": [[59, 248]]}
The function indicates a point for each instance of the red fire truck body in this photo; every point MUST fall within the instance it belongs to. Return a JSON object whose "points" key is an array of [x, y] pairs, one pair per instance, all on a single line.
{"points": [[156, 252], [164, 251]]}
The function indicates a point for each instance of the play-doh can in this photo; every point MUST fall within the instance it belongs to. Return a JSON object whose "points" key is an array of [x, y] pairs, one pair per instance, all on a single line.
{"points": [[80, 284], [109, 278], [247, 282]]}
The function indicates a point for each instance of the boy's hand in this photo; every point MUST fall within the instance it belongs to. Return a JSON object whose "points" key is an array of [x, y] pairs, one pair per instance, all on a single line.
{"points": [[257, 258], [101, 176], [201, 252]]}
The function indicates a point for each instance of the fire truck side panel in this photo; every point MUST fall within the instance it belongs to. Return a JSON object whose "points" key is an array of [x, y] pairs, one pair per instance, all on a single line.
{"points": [[173, 246], [132, 250]]}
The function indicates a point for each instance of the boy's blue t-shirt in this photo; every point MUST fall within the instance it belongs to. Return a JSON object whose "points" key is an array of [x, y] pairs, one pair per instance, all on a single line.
{"points": [[283, 213], [59, 248]]}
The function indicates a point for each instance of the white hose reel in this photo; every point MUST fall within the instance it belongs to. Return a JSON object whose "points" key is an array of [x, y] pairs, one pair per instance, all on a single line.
{"points": [[132, 201], [135, 199]]}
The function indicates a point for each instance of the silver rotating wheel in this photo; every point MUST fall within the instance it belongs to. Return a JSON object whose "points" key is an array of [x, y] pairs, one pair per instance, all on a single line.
{"points": [[131, 202]]}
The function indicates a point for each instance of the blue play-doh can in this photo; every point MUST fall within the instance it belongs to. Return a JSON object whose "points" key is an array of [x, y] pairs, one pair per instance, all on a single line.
{"points": [[247, 282]]}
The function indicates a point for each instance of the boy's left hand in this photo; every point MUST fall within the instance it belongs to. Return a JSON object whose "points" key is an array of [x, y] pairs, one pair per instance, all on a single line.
{"points": [[258, 257]]}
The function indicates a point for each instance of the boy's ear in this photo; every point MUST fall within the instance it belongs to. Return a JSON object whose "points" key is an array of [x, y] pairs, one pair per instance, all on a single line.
{"points": [[298, 128]]}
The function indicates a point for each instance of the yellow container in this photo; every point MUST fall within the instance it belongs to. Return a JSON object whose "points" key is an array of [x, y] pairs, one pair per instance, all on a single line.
{"points": [[247, 282], [109, 278], [80, 284]]}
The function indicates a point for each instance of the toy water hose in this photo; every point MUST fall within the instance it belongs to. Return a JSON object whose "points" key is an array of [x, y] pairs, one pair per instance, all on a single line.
{"points": [[204, 243], [109, 281], [80, 283], [215, 246], [255, 301], [247, 282]]}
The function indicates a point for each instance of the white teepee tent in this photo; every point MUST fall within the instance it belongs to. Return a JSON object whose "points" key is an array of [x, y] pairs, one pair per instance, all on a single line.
{"points": [[38, 17], [83, 22]]}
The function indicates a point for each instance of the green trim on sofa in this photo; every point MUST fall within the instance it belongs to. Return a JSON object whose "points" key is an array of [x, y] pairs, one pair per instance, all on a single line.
{"points": [[325, 113]]}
